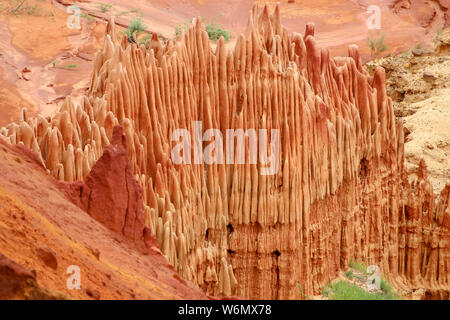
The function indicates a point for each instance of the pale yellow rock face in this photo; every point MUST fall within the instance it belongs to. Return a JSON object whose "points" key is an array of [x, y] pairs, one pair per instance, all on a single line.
{"points": [[341, 191], [429, 138], [419, 84]]}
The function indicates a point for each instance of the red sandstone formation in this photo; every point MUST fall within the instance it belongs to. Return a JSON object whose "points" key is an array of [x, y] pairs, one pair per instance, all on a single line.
{"points": [[48, 256], [341, 192], [17, 282], [111, 194], [41, 228]]}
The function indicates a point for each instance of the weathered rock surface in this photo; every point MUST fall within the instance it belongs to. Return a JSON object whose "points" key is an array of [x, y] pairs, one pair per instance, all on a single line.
{"points": [[48, 256], [17, 282], [35, 213], [111, 194], [341, 191], [419, 87]]}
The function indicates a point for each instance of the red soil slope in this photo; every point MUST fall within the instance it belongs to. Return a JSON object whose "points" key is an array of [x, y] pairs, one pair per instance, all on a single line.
{"points": [[44, 233]]}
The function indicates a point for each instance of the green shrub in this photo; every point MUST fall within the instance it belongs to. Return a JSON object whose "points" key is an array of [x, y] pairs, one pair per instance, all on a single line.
{"points": [[67, 66], [181, 27], [385, 286], [146, 40], [377, 46], [214, 30], [70, 66], [342, 290], [136, 26]]}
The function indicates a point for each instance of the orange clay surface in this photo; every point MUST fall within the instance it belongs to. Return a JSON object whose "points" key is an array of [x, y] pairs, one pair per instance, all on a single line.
{"points": [[35, 214]]}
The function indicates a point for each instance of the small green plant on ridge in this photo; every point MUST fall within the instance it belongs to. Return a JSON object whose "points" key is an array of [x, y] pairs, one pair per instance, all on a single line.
{"points": [[377, 46], [214, 29], [136, 26]]}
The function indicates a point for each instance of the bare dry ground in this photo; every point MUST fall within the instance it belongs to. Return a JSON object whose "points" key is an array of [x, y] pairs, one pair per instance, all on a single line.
{"points": [[41, 60], [418, 81]]}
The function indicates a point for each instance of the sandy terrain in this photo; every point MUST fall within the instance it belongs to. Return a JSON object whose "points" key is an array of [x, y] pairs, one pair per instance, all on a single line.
{"points": [[429, 138], [35, 50], [418, 81]]}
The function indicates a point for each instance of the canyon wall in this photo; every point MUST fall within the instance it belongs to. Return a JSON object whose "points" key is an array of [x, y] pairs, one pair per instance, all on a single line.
{"points": [[341, 191]]}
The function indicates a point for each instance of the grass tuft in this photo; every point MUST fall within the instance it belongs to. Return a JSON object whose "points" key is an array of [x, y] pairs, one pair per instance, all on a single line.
{"points": [[136, 26], [69, 66], [343, 290], [385, 286], [349, 274], [377, 46], [146, 40]]}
